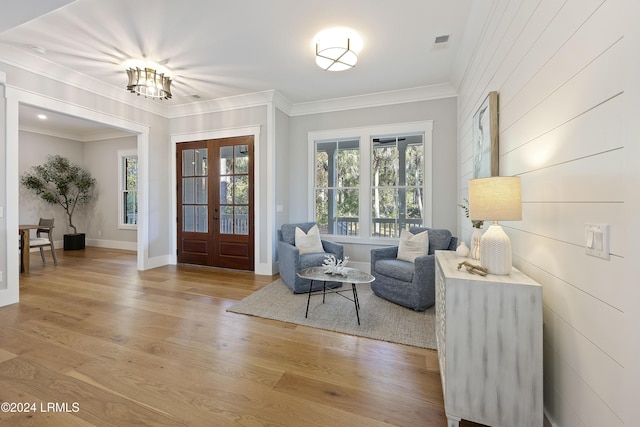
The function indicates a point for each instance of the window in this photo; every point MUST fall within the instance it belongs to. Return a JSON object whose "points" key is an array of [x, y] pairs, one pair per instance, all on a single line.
{"points": [[397, 180], [371, 182], [128, 189], [337, 189]]}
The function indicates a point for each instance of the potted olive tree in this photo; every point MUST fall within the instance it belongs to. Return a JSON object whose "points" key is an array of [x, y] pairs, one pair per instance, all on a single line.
{"points": [[60, 182]]}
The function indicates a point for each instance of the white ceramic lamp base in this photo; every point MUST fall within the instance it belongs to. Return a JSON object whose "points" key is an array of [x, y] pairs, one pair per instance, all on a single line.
{"points": [[495, 251]]}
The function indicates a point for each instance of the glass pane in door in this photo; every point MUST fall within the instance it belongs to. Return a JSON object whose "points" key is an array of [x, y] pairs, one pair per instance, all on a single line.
{"points": [[241, 155], [234, 189], [226, 220], [195, 192], [241, 220]]}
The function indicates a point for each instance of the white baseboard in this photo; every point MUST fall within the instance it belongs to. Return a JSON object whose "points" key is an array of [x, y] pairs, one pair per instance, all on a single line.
{"points": [[109, 244], [113, 244]]}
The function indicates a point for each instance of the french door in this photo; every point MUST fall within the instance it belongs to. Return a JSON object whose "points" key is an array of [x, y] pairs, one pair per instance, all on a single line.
{"points": [[215, 202]]}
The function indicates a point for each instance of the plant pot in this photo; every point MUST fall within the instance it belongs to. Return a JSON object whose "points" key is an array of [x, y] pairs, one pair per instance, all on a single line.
{"points": [[74, 242]]}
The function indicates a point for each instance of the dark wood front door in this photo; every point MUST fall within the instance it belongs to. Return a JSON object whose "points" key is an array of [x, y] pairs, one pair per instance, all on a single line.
{"points": [[215, 203]]}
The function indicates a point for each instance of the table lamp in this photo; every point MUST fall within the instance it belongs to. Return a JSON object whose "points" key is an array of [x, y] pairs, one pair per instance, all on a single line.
{"points": [[497, 198]]}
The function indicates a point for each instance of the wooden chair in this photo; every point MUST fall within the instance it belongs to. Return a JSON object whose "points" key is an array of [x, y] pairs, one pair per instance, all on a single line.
{"points": [[41, 242]]}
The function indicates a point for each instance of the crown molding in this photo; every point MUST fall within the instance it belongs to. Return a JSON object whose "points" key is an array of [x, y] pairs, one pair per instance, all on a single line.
{"points": [[35, 64], [81, 137], [49, 132], [255, 99], [402, 96], [41, 66], [104, 134]]}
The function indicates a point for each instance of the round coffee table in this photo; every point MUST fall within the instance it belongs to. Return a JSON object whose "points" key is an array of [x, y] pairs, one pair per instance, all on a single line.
{"points": [[349, 275]]}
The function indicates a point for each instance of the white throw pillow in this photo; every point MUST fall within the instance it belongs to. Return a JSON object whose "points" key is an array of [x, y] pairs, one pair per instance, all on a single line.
{"points": [[309, 243], [412, 246]]}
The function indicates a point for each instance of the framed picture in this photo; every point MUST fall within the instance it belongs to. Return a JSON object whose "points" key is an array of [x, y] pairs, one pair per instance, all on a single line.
{"points": [[485, 138]]}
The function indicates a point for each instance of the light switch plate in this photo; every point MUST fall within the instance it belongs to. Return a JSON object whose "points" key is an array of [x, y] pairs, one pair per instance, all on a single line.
{"points": [[596, 240]]}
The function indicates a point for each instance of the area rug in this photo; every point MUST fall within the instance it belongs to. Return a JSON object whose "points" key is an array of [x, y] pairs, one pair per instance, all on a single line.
{"points": [[379, 318]]}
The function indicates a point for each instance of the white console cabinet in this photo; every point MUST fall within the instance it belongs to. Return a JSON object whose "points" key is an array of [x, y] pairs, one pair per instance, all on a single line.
{"points": [[489, 335]]}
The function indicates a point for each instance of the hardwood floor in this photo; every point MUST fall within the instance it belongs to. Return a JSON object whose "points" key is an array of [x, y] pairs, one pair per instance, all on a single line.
{"points": [[95, 342]]}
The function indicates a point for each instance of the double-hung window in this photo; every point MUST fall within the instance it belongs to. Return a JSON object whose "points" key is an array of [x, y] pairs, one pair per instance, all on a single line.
{"points": [[337, 186], [128, 189], [397, 184], [371, 182]]}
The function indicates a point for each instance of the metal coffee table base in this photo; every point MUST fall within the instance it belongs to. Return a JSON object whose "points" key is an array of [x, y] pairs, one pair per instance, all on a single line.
{"points": [[347, 275], [355, 301]]}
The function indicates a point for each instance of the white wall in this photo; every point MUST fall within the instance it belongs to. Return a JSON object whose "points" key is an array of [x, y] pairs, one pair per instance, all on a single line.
{"points": [[3, 192], [282, 173], [443, 114], [101, 159], [563, 70]]}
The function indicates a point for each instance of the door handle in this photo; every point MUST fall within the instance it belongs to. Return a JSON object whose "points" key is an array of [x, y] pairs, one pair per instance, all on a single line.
{"points": [[215, 218]]}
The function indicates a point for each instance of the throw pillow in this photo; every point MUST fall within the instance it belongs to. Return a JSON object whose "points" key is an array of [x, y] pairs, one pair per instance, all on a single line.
{"points": [[309, 243], [412, 246]]}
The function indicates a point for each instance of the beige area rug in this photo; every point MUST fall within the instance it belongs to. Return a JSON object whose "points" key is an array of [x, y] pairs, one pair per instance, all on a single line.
{"points": [[379, 318]]}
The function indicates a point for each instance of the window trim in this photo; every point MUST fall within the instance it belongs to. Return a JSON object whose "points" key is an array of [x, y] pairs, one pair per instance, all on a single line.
{"points": [[365, 135], [122, 154]]}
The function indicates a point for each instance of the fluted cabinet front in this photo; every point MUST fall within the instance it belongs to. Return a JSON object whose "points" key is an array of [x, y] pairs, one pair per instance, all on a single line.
{"points": [[489, 337]]}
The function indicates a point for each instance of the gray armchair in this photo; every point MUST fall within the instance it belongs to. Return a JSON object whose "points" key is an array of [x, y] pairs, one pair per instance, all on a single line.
{"points": [[409, 284], [290, 261]]}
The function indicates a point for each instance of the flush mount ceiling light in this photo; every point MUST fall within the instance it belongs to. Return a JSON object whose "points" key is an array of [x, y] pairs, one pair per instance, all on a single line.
{"points": [[149, 82], [337, 49]]}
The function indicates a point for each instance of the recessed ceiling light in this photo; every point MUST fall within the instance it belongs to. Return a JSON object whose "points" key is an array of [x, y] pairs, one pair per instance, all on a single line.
{"points": [[42, 117]]}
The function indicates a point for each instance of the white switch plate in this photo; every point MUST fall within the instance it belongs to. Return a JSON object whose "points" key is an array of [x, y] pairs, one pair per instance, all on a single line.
{"points": [[596, 240]]}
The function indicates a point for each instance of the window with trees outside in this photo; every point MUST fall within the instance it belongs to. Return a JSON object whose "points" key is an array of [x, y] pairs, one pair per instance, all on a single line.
{"points": [[128, 189], [372, 184]]}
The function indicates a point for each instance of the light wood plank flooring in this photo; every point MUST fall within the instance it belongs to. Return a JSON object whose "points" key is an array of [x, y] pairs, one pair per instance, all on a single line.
{"points": [[95, 342]]}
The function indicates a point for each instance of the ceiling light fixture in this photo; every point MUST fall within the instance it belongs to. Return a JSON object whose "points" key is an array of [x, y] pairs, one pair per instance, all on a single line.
{"points": [[337, 49], [149, 83]]}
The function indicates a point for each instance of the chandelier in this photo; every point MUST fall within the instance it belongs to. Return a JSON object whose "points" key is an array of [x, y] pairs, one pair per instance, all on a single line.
{"points": [[149, 83]]}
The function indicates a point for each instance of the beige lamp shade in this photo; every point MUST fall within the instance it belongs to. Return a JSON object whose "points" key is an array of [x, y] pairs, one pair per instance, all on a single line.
{"points": [[497, 198]]}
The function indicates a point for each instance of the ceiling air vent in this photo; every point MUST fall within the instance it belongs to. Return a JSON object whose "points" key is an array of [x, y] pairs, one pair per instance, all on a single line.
{"points": [[442, 39]]}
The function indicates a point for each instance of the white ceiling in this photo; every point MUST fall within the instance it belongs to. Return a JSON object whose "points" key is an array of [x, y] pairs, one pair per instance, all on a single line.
{"points": [[221, 48]]}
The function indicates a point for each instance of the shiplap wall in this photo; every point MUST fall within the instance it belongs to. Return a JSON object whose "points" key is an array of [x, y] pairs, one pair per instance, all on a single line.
{"points": [[561, 70]]}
